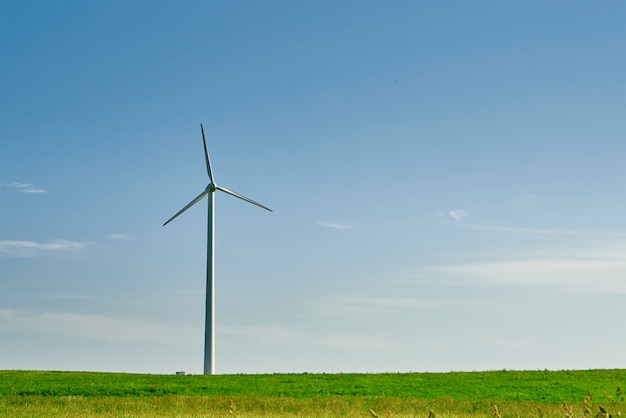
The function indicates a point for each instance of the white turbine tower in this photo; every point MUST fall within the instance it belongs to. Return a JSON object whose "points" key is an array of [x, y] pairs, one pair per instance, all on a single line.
{"points": [[209, 325]]}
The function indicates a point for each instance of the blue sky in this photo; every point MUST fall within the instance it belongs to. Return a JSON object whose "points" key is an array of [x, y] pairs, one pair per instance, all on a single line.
{"points": [[446, 177]]}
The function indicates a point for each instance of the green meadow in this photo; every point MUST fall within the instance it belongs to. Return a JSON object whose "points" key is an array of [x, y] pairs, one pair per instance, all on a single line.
{"points": [[590, 393]]}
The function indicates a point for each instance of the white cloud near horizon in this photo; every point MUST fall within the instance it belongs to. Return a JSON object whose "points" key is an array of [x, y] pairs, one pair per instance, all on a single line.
{"points": [[333, 225], [543, 231], [26, 187], [279, 335], [350, 305], [458, 214], [515, 343], [358, 343], [597, 270], [30, 248], [276, 335], [94, 327]]}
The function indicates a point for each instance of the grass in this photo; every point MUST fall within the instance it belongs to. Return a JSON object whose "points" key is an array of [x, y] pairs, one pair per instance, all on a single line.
{"points": [[478, 394]]}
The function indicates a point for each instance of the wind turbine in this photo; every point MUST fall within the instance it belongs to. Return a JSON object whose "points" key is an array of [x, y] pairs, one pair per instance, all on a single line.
{"points": [[209, 324]]}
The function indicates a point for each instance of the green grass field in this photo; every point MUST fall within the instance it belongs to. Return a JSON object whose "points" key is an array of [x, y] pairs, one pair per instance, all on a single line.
{"points": [[475, 394]]}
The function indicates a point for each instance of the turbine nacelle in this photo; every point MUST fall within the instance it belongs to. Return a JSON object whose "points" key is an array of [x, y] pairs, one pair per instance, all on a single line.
{"points": [[212, 187]]}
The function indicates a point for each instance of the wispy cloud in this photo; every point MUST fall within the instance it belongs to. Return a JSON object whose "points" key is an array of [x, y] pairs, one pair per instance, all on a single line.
{"points": [[118, 236], [94, 327], [524, 200], [599, 195], [358, 343], [26, 188], [586, 271], [515, 343], [279, 335], [350, 305], [333, 225], [523, 230], [458, 214], [30, 248], [543, 231], [276, 335], [69, 296]]}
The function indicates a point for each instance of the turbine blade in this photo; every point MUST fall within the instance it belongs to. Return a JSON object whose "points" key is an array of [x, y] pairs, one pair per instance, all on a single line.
{"points": [[242, 197], [206, 156], [193, 202]]}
